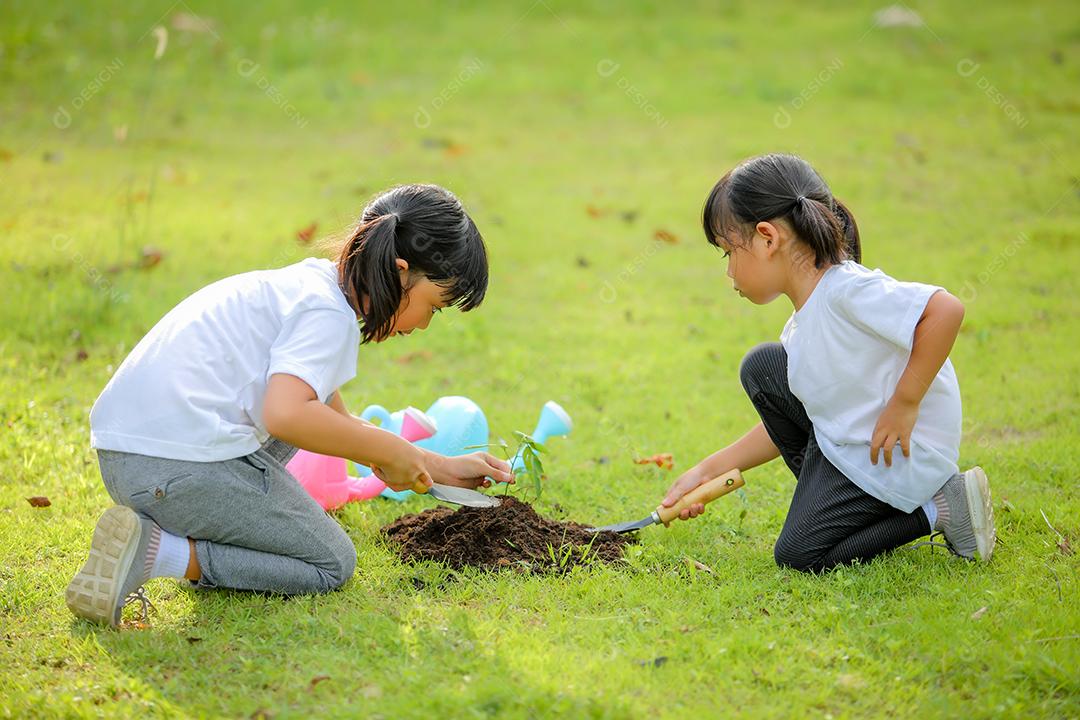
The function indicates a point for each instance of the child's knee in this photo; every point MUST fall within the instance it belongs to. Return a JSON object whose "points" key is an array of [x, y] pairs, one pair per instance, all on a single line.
{"points": [[342, 563], [789, 554], [760, 362]]}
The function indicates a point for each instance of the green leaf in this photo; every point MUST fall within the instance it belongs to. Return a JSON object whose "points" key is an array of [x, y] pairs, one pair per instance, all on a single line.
{"points": [[529, 441], [535, 471], [532, 462]]}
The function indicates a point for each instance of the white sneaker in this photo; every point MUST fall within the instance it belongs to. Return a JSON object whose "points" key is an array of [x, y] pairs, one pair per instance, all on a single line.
{"points": [[117, 567], [977, 490], [968, 526]]}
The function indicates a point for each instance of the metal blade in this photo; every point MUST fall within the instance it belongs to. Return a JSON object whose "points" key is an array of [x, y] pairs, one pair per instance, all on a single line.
{"points": [[628, 526], [462, 496]]}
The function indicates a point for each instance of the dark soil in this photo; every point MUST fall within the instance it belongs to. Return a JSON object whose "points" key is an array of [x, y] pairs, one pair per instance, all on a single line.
{"points": [[509, 536]]}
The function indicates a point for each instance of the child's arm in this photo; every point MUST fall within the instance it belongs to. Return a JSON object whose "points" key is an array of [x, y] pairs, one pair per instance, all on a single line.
{"points": [[471, 470], [752, 449], [292, 412], [338, 403], [935, 334]]}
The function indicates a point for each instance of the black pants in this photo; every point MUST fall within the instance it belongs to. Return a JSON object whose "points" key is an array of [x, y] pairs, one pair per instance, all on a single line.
{"points": [[831, 520]]}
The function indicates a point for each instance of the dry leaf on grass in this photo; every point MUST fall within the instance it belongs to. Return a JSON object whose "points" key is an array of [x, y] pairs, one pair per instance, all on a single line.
{"points": [[305, 235], [151, 257], [409, 358], [698, 565], [664, 461]]}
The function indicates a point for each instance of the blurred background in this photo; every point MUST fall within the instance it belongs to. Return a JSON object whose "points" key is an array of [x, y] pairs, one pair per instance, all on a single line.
{"points": [[147, 149]]}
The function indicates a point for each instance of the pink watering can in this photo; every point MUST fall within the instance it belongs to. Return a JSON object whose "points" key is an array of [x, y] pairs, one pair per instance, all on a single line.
{"points": [[326, 479]]}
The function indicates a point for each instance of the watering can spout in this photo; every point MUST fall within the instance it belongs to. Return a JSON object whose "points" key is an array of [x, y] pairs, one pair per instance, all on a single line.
{"points": [[554, 422]]}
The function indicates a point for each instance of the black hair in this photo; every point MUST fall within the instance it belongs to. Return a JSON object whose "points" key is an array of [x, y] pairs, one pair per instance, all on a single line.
{"points": [[426, 226], [779, 186]]}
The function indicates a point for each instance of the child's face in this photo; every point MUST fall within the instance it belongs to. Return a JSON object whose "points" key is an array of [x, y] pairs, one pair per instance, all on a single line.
{"points": [[420, 301], [753, 268]]}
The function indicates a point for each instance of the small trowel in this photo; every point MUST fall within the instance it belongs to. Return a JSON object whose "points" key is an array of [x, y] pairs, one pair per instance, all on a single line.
{"points": [[456, 495], [704, 493]]}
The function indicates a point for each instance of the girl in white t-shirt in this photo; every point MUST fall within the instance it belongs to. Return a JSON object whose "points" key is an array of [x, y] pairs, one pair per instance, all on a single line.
{"points": [[194, 429], [861, 368]]}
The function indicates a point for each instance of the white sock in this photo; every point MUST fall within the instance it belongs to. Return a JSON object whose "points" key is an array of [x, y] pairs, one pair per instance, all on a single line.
{"points": [[172, 557], [930, 508]]}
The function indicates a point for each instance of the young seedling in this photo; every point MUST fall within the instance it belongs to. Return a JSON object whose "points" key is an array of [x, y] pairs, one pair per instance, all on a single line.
{"points": [[529, 450]]}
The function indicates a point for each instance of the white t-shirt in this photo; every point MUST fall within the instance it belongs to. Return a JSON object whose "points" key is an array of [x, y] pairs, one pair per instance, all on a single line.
{"points": [[847, 348], [193, 388]]}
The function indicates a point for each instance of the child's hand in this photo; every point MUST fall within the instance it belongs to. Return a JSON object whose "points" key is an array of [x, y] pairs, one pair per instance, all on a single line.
{"points": [[474, 470], [405, 472], [686, 482], [894, 426]]}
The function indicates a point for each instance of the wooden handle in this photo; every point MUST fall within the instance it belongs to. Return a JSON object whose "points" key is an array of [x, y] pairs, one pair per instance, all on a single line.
{"points": [[704, 493], [419, 486]]}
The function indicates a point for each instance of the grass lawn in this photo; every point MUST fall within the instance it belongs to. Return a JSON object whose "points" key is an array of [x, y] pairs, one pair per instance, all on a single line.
{"points": [[573, 133]]}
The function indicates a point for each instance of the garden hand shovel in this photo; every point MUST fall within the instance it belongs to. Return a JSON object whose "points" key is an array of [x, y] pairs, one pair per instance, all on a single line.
{"points": [[456, 495], [703, 493]]}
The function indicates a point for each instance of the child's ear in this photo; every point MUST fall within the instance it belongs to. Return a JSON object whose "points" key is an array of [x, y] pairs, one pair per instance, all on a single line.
{"points": [[403, 270], [770, 237]]}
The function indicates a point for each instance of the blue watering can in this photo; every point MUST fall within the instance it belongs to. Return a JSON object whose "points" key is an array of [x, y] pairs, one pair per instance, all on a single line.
{"points": [[460, 422], [461, 427]]}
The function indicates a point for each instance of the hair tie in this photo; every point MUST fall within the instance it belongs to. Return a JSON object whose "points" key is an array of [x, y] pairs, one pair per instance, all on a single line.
{"points": [[800, 199]]}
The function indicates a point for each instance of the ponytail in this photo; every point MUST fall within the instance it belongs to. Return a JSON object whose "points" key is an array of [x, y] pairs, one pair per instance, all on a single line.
{"points": [[777, 186], [851, 232], [367, 266], [817, 226]]}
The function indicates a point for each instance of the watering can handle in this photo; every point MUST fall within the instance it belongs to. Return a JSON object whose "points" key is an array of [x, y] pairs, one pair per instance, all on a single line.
{"points": [[377, 411]]}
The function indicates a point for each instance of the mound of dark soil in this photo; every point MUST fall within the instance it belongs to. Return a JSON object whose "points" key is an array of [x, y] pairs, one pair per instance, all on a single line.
{"points": [[510, 535]]}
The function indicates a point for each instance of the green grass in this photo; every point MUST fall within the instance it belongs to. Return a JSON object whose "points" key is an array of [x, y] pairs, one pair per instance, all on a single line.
{"points": [[639, 341]]}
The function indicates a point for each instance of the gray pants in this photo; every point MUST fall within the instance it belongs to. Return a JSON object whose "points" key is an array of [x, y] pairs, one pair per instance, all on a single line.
{"points": [[254, 525]]}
